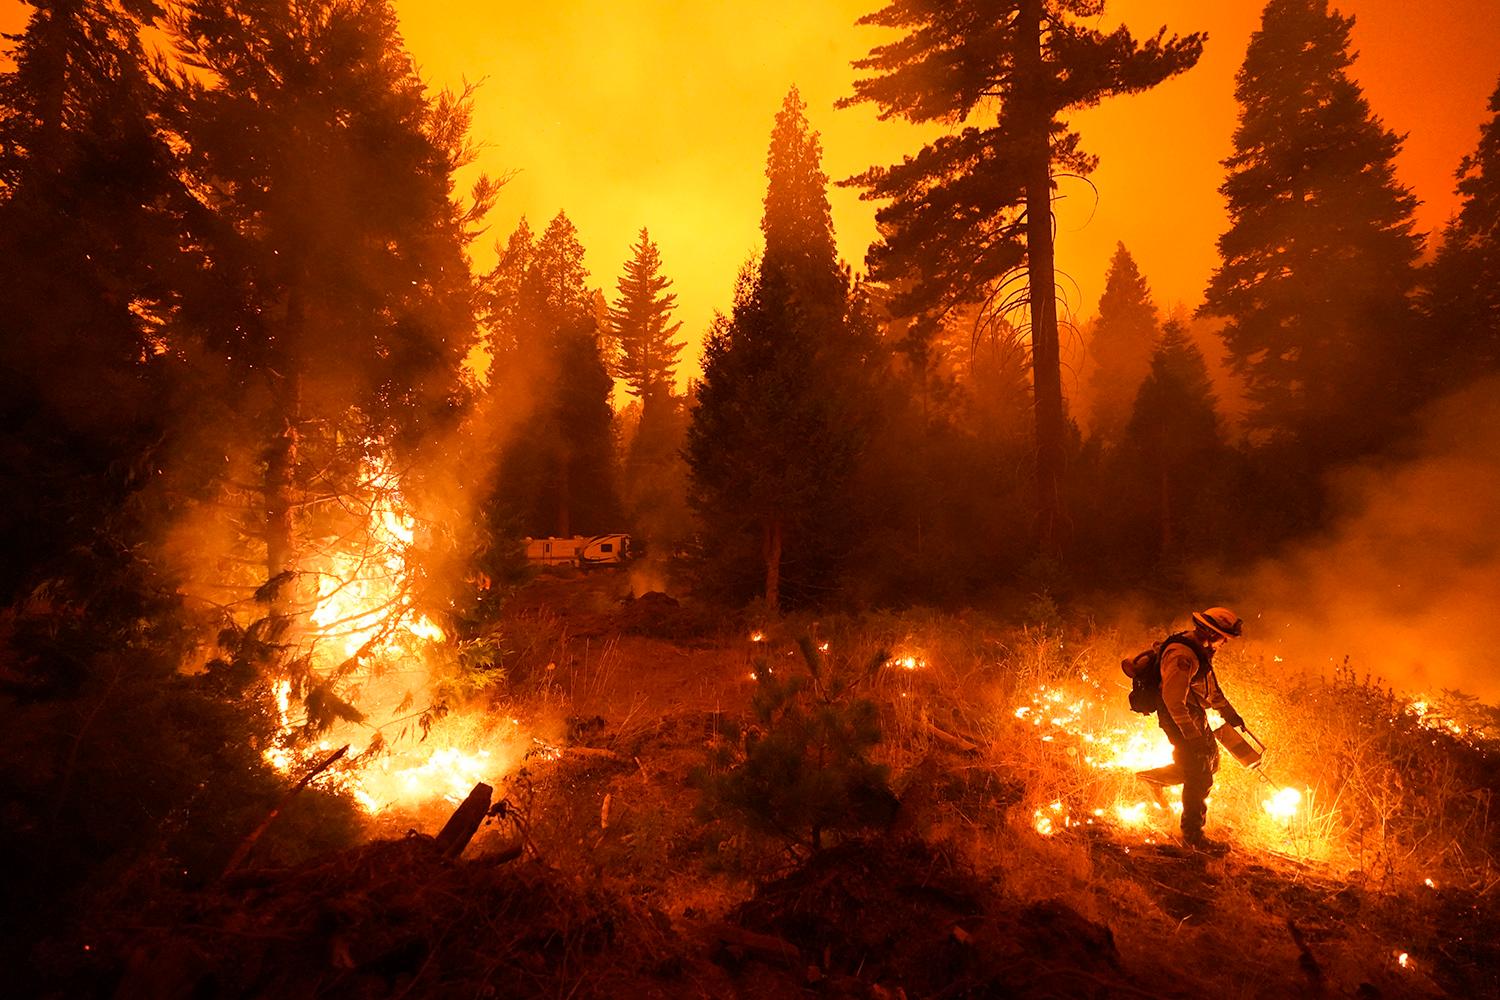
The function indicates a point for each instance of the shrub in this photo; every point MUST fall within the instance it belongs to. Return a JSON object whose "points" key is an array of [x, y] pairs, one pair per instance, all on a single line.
{"points": [[804, 769]]}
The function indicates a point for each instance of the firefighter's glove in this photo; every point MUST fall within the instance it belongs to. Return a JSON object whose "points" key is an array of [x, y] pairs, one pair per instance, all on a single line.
{"points": [[1233, 718], [1200, 747]]}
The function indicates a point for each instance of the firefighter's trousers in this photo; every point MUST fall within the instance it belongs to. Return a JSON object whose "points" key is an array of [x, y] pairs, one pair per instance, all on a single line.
{"points": [[1198, 779]]}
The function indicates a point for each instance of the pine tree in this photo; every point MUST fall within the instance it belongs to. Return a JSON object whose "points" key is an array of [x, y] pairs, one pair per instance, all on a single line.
{"points": [[774, 433], [557, 475], [805, 769], [330, 176], [1121, 346], [973, 208], [654, 473], [1318, 259], [334, 305], [641, 322], [90, 224], [503, 304], [1462, 301], [1173, 443]]}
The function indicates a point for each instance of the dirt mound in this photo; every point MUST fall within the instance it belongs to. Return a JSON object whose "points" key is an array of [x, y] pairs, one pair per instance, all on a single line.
{"points": [[879, 918], [391, 918]]}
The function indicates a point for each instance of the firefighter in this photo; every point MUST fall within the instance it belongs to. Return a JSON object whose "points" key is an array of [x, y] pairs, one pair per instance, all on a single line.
{"points": [[1188, 688]]}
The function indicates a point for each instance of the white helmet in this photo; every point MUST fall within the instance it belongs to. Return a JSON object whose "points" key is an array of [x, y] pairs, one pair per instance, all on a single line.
{"points": [[1221, 621]]}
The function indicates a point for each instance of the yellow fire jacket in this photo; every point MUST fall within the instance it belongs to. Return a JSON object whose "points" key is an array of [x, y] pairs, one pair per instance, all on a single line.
{"points": [[1188, 690]]}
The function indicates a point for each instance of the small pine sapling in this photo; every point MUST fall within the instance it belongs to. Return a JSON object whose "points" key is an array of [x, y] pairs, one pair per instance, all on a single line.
{"points": [[804, 769]]}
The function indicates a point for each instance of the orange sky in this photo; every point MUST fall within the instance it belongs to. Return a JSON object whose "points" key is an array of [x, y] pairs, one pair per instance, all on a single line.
{"points": [[657, 112]]}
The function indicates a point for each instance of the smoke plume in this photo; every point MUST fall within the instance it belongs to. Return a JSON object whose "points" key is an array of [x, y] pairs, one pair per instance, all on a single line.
{"points": [[1407, 582]]}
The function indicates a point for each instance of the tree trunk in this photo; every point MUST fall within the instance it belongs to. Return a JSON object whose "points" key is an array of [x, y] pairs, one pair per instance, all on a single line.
{"points": [[564, 496], [464, 822], [280, 490], [1166, 511], [60, 23], [772, 551], [1045, 351]]}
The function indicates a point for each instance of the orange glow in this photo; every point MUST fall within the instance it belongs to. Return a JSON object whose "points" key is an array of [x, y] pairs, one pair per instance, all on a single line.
{"points": [[657, 113], [400, 755], [1283, 805]]}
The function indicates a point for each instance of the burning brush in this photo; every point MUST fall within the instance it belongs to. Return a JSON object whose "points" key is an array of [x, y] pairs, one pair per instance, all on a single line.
{"points": [[1128, 768], [369, 664]]}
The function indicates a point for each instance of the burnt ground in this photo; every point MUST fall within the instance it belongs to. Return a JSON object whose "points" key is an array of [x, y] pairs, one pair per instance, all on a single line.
{"points": [[627, 890]]}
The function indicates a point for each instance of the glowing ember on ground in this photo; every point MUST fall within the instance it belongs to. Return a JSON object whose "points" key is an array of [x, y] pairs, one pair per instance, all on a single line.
{"points": [[757, 637], [1404, 960], [908, 661]]}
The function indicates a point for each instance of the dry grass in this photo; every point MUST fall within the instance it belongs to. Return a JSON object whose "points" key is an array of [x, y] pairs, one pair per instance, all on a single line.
{"points": [[987, 733]]}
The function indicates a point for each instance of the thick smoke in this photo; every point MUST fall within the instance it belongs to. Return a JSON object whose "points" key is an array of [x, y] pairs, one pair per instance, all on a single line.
{"points": [[1407, 583]]}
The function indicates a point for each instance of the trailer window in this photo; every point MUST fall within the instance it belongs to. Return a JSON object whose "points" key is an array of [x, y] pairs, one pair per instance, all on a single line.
{"points": [[607, 547]]}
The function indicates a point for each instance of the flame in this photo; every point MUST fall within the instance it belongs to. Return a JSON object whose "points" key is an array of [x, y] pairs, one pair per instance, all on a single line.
{"points": [[1430, 717], [908, 661], [1283, 805], [448, 773], [1086, 720], [364, 630], [364, 597]]}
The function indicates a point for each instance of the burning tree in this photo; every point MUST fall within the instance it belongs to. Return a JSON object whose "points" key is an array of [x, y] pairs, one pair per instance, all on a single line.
{"points": [[327, 230]]}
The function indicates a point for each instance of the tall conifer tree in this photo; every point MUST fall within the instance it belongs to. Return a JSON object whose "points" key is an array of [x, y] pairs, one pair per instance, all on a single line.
{"points": [[90, 220], [645, 336], [1318, 260], [1463, 299], [773, 437], [975, 207], [330, 236], [1121, 346], [1173, 442], [558, 473], [641, 320]]}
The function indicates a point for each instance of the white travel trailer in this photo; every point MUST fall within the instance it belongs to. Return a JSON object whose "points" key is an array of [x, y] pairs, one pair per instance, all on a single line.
{"points": [[580, 550]]}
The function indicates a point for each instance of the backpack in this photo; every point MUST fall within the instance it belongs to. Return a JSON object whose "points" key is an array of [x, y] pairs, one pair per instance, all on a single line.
{"points": [[1144, 671]]}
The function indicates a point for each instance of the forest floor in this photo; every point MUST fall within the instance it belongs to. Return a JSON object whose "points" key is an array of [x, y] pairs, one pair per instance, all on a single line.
{"points": [[627, 890]]}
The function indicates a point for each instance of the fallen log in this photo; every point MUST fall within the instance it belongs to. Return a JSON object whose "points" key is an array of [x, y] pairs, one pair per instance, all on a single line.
{"points": [[245, 845], [948, 739], [596, 753], [766, 947], [464, 823]]}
